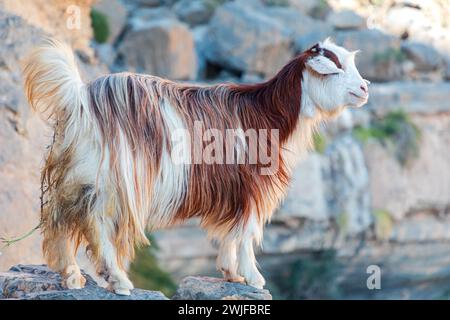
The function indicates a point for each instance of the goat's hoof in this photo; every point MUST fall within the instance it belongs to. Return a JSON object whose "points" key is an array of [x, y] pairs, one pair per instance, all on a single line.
{"points": [[231, 276], [256, 281], [235, 279], [74, 278], [122, 292]]}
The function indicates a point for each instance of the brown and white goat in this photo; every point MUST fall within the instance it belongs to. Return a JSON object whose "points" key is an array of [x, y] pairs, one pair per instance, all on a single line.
{"points": [[110, 174]]}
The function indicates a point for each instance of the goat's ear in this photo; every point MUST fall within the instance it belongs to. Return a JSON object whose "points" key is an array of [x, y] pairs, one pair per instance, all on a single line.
{"points": [[323, 65]]}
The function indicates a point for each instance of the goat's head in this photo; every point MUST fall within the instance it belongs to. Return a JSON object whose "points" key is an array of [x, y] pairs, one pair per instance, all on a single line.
{"points": [[332, 80]]}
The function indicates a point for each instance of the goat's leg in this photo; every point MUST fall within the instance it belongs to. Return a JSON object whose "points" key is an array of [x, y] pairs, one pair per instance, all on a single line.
{"points": [[60, 255], [100, 238], [247, 265], [227, 260]]}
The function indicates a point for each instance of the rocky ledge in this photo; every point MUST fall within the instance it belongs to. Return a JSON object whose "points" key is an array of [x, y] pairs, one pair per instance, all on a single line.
{"points": [[38, 282]]}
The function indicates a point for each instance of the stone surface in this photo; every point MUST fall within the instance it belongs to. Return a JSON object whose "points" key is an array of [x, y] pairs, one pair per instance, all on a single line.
{"points": [[66, 19], [306, 196], [162, 47], [298, 24], [346, 19], [414, 97], [206, 288], [406, 191], [116, 14], [348, 182], [425, 57], [37, 282], [243, 39], [380, 58], [194, 12]]}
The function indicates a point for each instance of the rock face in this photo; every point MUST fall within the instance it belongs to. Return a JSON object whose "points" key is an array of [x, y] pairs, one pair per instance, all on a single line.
{"points": [[163, 47], [206, 288], [37, 282], [242, 39], [31, 282]]}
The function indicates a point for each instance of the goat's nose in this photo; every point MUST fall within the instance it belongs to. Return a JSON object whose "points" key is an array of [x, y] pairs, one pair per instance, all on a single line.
{"points": [[364, 88]]}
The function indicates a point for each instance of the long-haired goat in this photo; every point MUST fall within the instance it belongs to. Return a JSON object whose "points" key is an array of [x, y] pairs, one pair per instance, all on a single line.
{"points": [[109, 174]]}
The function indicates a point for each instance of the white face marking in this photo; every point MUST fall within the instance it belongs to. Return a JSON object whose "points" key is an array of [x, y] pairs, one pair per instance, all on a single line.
{"points": [[329, 88]]}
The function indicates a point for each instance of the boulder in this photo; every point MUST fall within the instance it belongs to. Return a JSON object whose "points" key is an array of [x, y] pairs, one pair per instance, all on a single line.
{"points": [[381, 58], [162, 48], [194, 12], [116, 13], [207, 288], [37, 282], [346, 19], [424, 57], [243, 39]]}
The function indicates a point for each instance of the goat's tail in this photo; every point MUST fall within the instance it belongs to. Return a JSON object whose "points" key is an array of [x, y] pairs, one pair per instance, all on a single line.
{"points": [[52, 82]]}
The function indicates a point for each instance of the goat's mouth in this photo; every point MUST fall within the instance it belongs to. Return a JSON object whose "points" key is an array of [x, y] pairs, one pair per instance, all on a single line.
{"points": [[359, 97]]}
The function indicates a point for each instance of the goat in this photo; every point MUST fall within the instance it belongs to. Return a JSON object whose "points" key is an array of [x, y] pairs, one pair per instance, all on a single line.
{"points": [[110, 176]]}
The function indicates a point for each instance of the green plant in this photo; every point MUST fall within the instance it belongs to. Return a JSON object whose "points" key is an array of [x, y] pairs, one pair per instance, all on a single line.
{"points": [[100, 26], [342, 221], [390, 54], [146, 273], [320, 143], [383, 224], [396, 131]]}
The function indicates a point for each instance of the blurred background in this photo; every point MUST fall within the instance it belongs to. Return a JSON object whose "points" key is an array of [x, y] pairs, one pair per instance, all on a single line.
{"points": [[376, 191]]}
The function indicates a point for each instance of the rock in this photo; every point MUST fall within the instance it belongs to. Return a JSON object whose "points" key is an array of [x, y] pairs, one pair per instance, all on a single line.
{"points": [[348, 182], [60, 18], [381, 57], [423, 183], [116, 13], [346, 19], [425, 57], [306, 195], [206, 288], [194, 12], [106, 53], [199, 33], [406, 20], [145, 15], [447, 69], [414, 97], [163, 48], [152, 3], [313, 8], [306, 41], [37, 282], [240, 38]]}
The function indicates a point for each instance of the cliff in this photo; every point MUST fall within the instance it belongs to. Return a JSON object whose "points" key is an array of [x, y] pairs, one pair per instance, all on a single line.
{"points": [[37, 282]]}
